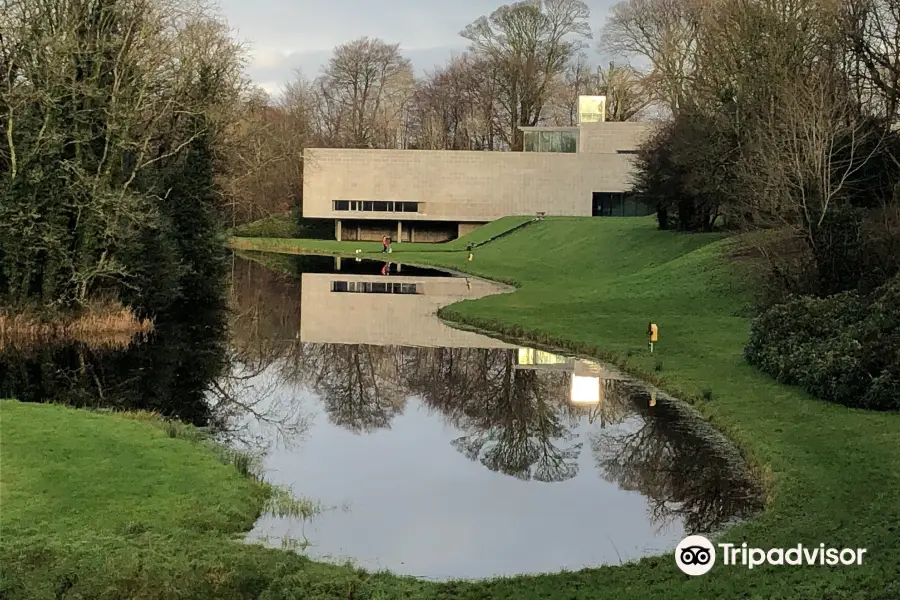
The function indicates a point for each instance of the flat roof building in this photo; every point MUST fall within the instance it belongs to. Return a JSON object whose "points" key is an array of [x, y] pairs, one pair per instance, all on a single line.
{"points": [[438, 195]]}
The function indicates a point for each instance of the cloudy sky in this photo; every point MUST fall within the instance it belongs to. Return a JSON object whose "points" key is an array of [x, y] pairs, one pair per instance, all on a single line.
{"points": [[289, 34]]}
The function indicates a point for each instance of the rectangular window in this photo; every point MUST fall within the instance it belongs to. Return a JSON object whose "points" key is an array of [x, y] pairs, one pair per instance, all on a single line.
{"points": [[551, 141], [569, 140], [375, 206]]}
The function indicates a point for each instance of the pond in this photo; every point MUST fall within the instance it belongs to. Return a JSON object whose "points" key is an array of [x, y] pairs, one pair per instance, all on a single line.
{"points": [[434, 452], [446, 454]]}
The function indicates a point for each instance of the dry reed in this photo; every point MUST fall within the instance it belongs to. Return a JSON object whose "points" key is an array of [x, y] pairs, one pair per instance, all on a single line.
{"points": [[104, 325]]}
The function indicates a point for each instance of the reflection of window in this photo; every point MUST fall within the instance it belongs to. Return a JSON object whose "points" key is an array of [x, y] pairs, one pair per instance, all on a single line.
{"points": [[374, 287], [376, 205], [551, 141]]}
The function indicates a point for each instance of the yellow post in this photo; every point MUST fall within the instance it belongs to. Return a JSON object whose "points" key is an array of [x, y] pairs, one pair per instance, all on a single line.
{"points": [[652, 334]]}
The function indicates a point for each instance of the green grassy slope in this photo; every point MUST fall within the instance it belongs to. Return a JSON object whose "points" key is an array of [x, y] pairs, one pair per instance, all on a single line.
{"points": [[587, 284], [480, 235]]}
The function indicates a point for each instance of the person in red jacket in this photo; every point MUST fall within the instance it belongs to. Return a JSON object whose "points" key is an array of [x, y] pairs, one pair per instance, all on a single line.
{"points": [[384, 244]]}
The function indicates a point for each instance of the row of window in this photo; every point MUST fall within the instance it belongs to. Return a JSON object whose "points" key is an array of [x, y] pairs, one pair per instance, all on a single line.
{"points": [[374, 287], [619, 204], [376, 205]]}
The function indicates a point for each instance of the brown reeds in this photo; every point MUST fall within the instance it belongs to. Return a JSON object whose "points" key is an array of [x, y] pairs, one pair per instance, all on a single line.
{"points": [[105, 325]]}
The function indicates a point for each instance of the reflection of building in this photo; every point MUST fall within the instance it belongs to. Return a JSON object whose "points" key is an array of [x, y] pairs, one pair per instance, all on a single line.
{"points": [[436, 195], [589, 379], [389, 311]]}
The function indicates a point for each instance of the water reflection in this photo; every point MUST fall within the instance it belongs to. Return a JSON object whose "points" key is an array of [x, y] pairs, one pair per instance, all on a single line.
{"points": [[171, 373], [390, 389], [458, 455]]}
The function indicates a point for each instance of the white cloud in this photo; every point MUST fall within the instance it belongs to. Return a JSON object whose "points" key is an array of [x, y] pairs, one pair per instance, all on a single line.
{"points": [[269, 58]]}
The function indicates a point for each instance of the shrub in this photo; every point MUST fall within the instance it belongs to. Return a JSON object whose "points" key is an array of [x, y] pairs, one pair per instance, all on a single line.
{"points": [[843, 348]]}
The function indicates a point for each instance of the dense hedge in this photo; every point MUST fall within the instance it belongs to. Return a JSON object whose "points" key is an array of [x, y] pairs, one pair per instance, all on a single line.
{"points": [[844, 348]]}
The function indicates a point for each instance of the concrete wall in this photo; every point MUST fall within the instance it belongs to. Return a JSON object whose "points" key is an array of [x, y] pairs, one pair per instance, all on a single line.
{"points": [[462, 186], [388, 319], [611, 137], [467, 228]]}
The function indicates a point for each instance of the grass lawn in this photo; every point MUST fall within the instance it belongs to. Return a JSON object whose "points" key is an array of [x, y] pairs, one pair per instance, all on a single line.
{"points": [[479, 236], [587, 284]]}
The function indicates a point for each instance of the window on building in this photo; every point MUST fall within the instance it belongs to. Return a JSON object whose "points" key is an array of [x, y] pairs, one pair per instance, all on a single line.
{"points": [[620, 204], [569, 141], [536, 140], [375, 206]]}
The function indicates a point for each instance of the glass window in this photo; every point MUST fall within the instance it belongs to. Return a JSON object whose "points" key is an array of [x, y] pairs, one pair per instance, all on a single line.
{"points": [[544, 141], [384, 206], [341, 205], [530, 141], [569, 141]]}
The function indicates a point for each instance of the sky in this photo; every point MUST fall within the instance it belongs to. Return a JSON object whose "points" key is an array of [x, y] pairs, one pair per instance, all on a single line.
{"points": [[285, 35]]}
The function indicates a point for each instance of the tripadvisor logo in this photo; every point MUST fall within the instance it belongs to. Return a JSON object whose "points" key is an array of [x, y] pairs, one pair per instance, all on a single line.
{"points": [[696, 555]]}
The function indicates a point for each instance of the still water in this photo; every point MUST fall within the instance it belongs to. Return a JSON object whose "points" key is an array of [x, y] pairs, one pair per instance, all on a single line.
{"points": [[446, 454], [434, 452]]}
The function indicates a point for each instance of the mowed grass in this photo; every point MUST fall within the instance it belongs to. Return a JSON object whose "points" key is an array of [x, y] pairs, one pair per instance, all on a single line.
{"points": [[833, 474], [308, 246]]}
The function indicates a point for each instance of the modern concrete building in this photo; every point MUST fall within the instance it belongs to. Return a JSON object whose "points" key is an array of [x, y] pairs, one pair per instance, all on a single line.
{"points": [[437, 195]]}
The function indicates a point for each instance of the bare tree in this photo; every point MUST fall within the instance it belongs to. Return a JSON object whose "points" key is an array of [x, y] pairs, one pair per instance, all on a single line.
{"points": [[364, 94], [455, 107], [873, 30], [662, 35], [623, 87], [805, 162], [528, 44]]}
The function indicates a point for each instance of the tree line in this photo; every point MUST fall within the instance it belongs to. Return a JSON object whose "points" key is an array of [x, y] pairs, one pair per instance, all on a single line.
{"points": [[132, 133]]}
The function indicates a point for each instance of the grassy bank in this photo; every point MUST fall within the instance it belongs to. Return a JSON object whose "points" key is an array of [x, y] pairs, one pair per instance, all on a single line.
{"points": [[497, 228], [588, 284]]}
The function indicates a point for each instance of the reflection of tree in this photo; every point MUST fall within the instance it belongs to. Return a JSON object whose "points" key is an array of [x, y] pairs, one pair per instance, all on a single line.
{"points": [[358, 384], [518, 421], [682, 469], [169, 374]]}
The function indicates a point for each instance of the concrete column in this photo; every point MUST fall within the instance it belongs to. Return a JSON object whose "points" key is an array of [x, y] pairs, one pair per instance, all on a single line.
{"points": [[398, 267], [399, 231], [337, 229], [337, 263]]}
